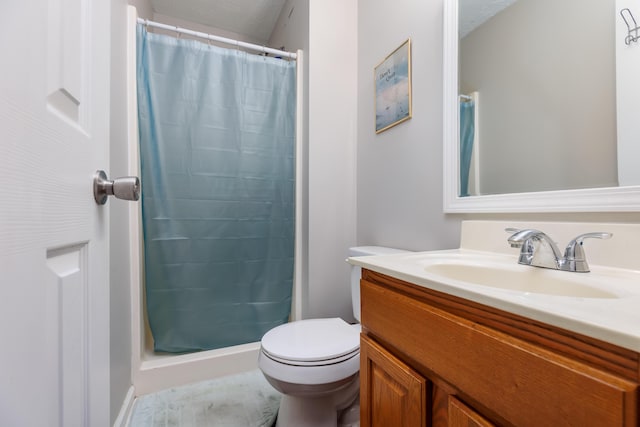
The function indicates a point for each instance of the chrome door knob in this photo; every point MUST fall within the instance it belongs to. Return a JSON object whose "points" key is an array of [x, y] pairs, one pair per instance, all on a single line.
{"points": [[125, 188]]}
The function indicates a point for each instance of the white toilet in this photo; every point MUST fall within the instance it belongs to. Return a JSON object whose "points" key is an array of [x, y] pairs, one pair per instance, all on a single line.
{"points": [[314, 363]]}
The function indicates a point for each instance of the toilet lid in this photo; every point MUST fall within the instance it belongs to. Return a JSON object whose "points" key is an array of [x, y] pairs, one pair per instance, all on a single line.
{"points": [[312, 340]]}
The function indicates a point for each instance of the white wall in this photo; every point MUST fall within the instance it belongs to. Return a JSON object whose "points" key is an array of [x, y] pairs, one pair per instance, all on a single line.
{"points": [[326, 31], [399, 177], [332, 149]]}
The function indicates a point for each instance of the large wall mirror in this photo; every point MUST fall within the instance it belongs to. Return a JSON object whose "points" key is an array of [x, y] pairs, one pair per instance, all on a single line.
{"points": [[541, 106]]}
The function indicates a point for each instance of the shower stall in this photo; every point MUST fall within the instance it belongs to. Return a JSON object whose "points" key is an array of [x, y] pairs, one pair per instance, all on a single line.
{"points": [[151, 370]]}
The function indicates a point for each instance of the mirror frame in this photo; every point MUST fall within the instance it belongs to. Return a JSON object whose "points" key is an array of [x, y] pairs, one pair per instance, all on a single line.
{"points": [[606, 199]]}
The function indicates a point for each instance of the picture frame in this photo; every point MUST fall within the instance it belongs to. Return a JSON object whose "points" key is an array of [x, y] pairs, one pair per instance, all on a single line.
{"points": [[392, 88]]}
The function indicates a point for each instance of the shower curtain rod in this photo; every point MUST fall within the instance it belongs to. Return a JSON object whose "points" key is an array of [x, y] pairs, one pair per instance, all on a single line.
{"points": [[211, 37]]}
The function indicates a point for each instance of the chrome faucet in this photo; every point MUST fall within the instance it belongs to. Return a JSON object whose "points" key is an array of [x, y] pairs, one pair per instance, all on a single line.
{"points": [[539, 250]]}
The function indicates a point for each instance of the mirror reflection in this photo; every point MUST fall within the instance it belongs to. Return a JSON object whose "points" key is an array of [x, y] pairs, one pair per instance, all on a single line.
{"points": [[537, 85]]}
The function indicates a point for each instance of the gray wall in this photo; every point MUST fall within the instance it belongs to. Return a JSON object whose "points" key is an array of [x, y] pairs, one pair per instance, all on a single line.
{"points": [[545, 73], [399, 178], [399, 185]]}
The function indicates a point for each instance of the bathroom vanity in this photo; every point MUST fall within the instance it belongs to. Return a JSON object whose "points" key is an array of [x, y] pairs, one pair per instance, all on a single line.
{"points": [[468, 337], [428, 358]]}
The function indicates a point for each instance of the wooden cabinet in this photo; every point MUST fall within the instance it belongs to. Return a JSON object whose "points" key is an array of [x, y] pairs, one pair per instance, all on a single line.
{"points": [[452, 362], [391, 392]]}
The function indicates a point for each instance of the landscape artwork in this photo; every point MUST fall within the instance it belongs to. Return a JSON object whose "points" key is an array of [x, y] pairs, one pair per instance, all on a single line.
{"points": [[393, 88]]}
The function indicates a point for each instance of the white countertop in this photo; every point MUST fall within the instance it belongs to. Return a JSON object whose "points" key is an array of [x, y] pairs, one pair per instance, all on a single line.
{"points": [[613, 320]]}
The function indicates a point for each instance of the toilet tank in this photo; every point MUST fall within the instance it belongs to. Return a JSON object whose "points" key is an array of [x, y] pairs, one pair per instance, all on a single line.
{"points": [[356, 271]]}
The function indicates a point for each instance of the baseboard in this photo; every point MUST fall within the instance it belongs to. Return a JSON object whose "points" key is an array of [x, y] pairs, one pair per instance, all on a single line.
{"points": [[125, 410]]}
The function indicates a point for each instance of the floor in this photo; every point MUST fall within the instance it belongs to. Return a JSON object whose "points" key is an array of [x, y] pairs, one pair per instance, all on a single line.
{"points": [[243, 400]]}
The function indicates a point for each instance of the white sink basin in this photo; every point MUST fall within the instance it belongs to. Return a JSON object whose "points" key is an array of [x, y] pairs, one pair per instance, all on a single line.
{"points": [[603, 304], [519, 278]]}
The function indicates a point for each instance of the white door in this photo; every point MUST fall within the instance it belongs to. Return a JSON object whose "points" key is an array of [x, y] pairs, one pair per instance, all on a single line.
{"points": [[54, 296]]}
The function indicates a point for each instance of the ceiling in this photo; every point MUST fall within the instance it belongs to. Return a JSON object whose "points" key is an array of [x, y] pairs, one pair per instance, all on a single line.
{"points": [[473, 13], [257, 18], [253, 18]]}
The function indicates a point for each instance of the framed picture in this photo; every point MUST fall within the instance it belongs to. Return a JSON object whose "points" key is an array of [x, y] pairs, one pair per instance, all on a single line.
{"points": [[392, 79]]}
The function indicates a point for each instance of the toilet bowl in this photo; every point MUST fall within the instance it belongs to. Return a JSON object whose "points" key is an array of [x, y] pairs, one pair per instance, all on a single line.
{"points": [[315, 364]]}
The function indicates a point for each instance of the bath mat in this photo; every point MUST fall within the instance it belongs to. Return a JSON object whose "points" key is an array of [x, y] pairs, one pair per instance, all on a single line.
{"points": [[242, 400]]}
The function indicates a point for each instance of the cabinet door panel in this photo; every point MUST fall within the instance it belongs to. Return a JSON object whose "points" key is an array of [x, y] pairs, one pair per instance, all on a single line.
{"points": [[391, 393]]}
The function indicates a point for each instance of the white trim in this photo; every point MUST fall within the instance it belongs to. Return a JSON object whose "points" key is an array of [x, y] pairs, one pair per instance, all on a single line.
{"points": [[296, 297], [475, 154], [609, 199], [137, 311], [450, 169], [124, 415]]}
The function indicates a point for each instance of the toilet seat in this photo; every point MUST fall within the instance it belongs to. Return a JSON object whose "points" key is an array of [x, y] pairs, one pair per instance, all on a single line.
{"points": [[313, 351], [312, 342], [323, 362]]}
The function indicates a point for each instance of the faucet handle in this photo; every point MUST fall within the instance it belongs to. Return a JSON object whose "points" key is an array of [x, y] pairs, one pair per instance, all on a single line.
{"points": [[596, 235], [513, 232], [574, 257], [521, 238]]}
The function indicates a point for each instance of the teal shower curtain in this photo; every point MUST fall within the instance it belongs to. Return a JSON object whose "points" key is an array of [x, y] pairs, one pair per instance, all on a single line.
{"points": [[217, 169], [467, 127]]}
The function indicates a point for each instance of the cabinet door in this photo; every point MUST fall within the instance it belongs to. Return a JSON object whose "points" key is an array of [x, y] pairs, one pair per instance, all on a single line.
{"points": [[391, 393], [460, 415]]}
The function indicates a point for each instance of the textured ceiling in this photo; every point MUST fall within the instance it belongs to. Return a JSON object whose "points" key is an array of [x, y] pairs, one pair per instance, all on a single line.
{"points": [[254, 18], [472, 13]]}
